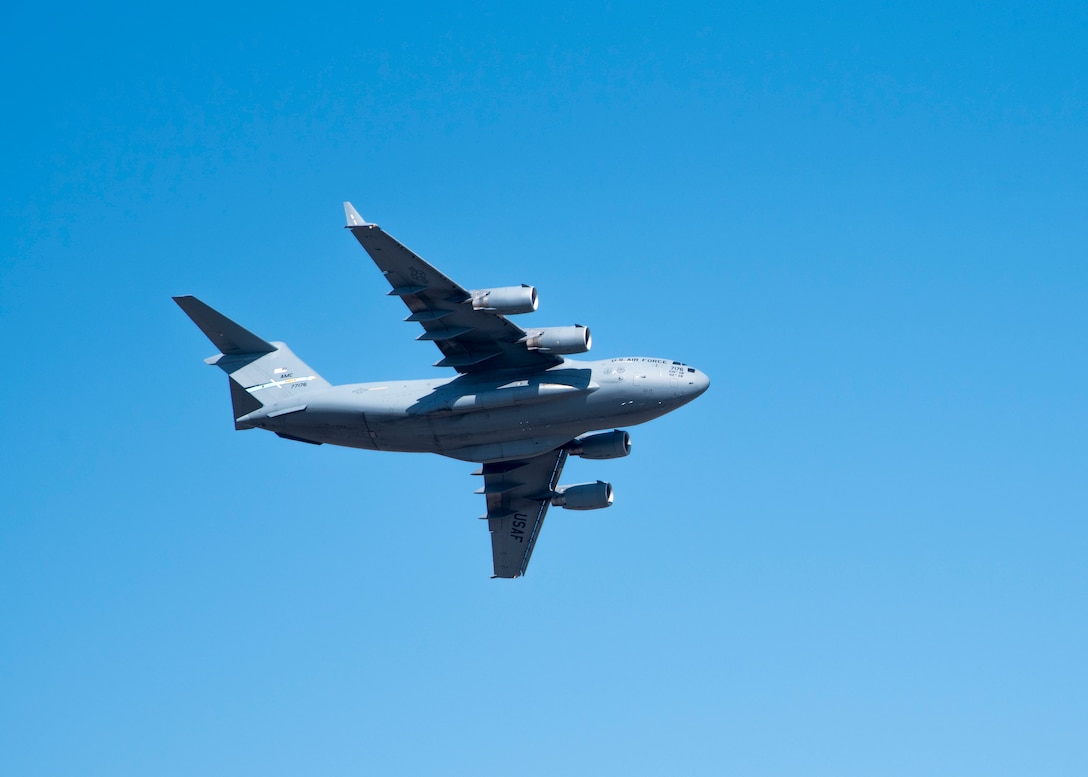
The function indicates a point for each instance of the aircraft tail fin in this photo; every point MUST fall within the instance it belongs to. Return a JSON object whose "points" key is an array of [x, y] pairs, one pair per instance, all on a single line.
{"points": [[262, 374]]}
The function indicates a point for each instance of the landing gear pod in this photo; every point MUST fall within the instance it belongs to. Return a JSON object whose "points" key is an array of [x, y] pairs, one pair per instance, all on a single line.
{"points": [[584, 496]]}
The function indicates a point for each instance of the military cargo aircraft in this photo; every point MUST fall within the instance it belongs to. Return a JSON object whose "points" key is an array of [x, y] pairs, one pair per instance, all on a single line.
{"points": [[518, 405]]}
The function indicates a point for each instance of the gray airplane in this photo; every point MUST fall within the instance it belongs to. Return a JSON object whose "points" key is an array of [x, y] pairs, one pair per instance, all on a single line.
{"points": [[518, 406]]}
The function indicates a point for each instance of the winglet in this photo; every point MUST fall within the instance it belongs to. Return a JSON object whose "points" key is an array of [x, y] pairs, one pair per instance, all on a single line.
{"points": [[354, 219]]}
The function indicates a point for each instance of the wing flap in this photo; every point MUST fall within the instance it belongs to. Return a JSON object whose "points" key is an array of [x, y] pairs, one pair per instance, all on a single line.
{"points": [[450, 333], [462, 361]]}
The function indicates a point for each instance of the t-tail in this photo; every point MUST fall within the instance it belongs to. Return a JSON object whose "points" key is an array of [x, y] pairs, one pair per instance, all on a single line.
{"points": [[266, 379]]}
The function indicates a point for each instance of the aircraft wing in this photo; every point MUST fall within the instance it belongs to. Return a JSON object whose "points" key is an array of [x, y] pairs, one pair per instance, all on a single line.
{"points": [[470, 339], [518, 494]]}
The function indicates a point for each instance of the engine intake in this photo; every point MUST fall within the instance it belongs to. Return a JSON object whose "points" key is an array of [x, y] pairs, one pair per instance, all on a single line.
{"points": [[605, 445], [560, 339], [508, 300], [584, 496]]}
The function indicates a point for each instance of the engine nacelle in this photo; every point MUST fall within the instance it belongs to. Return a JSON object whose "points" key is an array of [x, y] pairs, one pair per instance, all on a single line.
{"points": [[560, 339], [606, 445], [507, 300], [584, 496]]}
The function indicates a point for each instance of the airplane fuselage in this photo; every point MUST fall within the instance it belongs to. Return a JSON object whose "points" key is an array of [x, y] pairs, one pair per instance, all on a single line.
{"points": [[486, 417]]}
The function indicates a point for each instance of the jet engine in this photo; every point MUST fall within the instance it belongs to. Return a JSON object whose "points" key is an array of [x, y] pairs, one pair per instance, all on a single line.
{"points": [[584, 496], [507, 300], [560, 339], [605, 445]]}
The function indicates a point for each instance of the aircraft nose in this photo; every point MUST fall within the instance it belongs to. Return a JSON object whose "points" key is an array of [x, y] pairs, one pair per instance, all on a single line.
{"points": [[702, 382], [697, 382]]}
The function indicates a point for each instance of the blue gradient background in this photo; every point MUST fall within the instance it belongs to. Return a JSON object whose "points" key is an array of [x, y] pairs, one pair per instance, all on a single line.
{"points": [[861, 552]]}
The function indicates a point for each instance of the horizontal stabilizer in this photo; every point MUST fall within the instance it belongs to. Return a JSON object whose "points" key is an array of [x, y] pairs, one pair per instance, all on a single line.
{"points": [[229, 337]]}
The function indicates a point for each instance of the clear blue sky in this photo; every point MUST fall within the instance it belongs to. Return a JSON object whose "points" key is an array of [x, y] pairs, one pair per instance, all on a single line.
{"points": [[860, 553]]}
